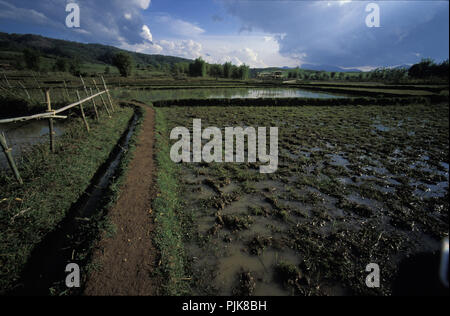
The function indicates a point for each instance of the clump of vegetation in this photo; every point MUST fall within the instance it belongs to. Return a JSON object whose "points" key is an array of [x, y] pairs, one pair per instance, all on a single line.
{"points": [[258, 244], [32, 59], [237, 221], [124, 63], [290, 275], [246, 284], [257, 211]]}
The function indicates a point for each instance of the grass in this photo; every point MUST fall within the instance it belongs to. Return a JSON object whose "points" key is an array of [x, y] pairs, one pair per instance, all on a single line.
{"points": [[168, 215], [52, 183]]}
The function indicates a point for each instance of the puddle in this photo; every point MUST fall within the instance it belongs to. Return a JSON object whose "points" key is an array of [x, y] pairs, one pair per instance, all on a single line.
{"points": [[338, 160], [381, 128]]}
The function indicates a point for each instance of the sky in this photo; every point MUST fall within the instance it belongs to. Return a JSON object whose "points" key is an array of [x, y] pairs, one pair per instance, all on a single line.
{"points": [[258, 33]]}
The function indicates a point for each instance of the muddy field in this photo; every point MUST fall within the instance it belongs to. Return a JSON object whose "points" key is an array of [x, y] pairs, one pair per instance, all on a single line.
{"points": [[354, 185]]}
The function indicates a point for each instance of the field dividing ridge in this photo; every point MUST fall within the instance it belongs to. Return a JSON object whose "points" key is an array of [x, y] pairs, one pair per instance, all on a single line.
{"points": [[126, 259]]}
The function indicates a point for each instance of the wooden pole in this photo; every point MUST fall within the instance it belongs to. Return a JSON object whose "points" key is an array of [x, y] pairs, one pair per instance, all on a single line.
{"points": [[95, 106], [101, 97], [38, 85], [67, 91], [87, 95], [9, 157], [7, 82], [26, 91], [82, 112], [107, 92], [50, 121]]}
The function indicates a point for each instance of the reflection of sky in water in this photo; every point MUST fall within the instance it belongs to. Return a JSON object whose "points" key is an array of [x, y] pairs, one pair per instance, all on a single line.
{"points": [[19, 136], [275, 93], [235, 93]]}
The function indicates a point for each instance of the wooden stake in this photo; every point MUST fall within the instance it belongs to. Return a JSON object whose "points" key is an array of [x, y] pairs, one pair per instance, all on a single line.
{"points": [[87, 95], [95, 106], [7, 82], [101, 97], [107, 92], [67, 91], [26, 91], [38, 85], [9, 157], [50, 121], [82, 112]]}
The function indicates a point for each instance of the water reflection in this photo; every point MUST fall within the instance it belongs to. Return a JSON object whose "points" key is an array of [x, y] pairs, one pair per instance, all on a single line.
{"points": [[21, 136], [234, 93]]}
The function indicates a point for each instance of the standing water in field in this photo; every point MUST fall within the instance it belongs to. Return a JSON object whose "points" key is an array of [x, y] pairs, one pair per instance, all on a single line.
{"points": [[21, 136], [235, 93]]}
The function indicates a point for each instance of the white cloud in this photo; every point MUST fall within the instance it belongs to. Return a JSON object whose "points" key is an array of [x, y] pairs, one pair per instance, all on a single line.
{"points": [[179, 27], [146, 34], [127, 16], [9, 11], [144, 4], [181, 48], [256, 50]]}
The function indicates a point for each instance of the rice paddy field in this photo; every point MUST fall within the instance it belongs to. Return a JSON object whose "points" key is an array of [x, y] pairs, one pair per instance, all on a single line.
{"points": [[355, 185], [362, 178]]}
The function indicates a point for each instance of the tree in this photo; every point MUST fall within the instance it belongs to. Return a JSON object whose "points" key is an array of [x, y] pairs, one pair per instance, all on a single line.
{"points": [[227, 70], [75, 66], [216, 70], [61, 64], [197, 68], [243, 72], [124, 63], [107, 70], [32, 59], [235, 72]]}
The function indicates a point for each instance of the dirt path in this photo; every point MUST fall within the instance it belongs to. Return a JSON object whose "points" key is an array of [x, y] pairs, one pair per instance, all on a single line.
{"points": [[127, 259]]}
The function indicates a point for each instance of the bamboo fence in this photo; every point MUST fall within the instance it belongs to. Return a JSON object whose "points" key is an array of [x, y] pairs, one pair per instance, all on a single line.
{"points": [[51, 114]]}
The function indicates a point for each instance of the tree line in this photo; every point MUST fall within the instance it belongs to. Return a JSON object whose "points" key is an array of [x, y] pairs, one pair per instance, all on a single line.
{"points": [[200, 68], [426, 69]]}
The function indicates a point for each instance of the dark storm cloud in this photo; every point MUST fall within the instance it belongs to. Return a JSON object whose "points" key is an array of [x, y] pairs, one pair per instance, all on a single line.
{"points": [[334, 32]]}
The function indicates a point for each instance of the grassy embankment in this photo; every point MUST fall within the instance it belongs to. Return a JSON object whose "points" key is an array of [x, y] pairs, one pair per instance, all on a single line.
{"points": [[52, 184], [169, 217]]}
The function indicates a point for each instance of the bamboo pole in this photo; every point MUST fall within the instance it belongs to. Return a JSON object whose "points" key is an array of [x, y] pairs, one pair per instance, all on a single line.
{"points": [[9, 157], [107, 92], [67, 91], [37, 83], [82, 112], [7, 82], [101, 97], [95, 106], [46, 115], [26, 91], [87, 95], [50, 121]]}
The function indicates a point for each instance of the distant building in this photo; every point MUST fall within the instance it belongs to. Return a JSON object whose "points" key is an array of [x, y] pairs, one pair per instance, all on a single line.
{"points": [[277, 74], [270, 75]]}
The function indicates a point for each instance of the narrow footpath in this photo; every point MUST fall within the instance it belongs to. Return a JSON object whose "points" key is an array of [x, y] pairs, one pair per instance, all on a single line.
{"points": [[127, 259]]}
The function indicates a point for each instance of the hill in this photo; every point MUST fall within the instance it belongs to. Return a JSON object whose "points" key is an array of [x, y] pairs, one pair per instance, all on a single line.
{"points": [[86, 53]]}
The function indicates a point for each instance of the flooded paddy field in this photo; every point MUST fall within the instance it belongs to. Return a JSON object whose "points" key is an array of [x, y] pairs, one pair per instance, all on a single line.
{"points": [[22, 136], [355, 185], [230, 93]]}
